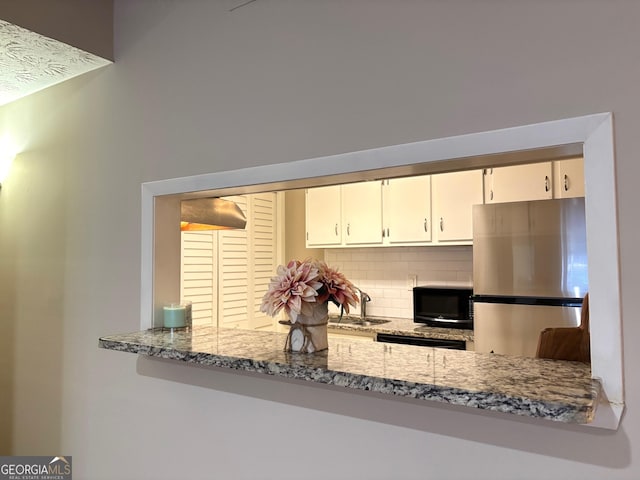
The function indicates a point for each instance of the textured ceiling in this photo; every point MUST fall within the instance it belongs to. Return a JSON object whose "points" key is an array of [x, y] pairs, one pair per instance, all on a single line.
{"points": [[30, 62]]}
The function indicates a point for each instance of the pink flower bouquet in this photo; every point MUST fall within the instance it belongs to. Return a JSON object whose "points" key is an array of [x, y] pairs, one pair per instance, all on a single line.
{"points": [[300, 286]]}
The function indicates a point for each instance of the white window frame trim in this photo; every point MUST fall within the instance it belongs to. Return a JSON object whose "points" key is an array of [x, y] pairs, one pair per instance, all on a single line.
{"points": [[595, 132]]}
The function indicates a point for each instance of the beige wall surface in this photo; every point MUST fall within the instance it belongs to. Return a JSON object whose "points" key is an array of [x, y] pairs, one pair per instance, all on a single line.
{"points": [[85, 25], [295, 229], [196, 89]]}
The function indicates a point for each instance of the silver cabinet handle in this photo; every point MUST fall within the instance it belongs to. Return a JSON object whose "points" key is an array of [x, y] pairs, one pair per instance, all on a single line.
{"points": [[425, 224], [335, 229], [546, 183], [566, 183], [388, 233], [491, 195], [348, 229], [441, 224]]}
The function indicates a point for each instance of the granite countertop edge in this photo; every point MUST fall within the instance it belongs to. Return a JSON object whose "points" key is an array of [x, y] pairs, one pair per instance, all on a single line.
{"points": [[571, 405]]}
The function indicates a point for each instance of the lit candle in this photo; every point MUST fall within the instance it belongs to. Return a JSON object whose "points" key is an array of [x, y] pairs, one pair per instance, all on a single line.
{"points": [[174, 315]]}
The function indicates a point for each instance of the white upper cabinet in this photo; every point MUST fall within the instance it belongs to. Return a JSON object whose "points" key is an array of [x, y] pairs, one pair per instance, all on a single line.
{"points": [[429, 209], [453, 195], [519, 183], [422, 210], [568, 176], [407, 210], [535, 181], [362, 213], [323, 216]]}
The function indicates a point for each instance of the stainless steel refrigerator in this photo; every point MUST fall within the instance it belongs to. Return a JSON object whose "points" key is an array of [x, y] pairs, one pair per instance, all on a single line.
{"points": [[529, 272]]}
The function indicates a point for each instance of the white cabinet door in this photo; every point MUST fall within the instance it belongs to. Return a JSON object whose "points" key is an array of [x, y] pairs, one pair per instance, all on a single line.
{"points": [[453, 195], [568, 178], [407, 210], [362, 213], [519, 183], [323, 222]]}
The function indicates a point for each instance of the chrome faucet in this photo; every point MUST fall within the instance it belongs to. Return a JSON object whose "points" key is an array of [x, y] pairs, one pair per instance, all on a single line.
{"points": [[364, 299]]}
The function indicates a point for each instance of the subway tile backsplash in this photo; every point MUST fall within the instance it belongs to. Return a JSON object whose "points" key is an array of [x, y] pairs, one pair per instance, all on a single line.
{"points": [[383, 273]]}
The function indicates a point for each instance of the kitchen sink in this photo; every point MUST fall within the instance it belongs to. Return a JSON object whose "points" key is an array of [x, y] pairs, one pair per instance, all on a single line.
{"points": [[357, 321]]}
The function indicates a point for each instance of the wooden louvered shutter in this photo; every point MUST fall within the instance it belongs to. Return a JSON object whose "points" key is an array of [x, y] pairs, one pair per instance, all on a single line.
{"points": [[233, 272], [226, 272], [264, 255], [199, 278]]}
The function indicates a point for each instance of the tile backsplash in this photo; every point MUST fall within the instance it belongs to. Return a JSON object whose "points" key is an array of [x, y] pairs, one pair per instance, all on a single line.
{"points": [[383, 273]]}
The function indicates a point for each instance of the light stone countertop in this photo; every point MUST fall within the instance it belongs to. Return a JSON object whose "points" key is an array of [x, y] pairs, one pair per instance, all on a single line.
{"points": [[548, 389], [403, 326]]}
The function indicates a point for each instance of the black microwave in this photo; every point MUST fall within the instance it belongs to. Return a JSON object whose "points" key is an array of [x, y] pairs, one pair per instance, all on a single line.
{"points": [[447, 307]]}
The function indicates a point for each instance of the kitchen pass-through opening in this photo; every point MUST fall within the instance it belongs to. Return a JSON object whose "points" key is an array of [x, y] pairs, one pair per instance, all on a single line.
{"points": [[591, 136]]}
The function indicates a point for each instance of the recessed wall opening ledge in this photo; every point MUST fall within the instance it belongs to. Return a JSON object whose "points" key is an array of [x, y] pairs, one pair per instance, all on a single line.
{"points": [[600, 385]]}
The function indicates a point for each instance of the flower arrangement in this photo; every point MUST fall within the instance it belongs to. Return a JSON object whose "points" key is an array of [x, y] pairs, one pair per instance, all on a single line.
{"points": [[300, 286]]}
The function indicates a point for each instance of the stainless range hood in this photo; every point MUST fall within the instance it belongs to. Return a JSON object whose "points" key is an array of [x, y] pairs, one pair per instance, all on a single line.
{"points": [[210, 214]]}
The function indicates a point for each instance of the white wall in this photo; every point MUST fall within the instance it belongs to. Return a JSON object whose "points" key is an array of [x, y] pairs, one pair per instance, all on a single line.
{"points": [[197, 89], [295, 228]]}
